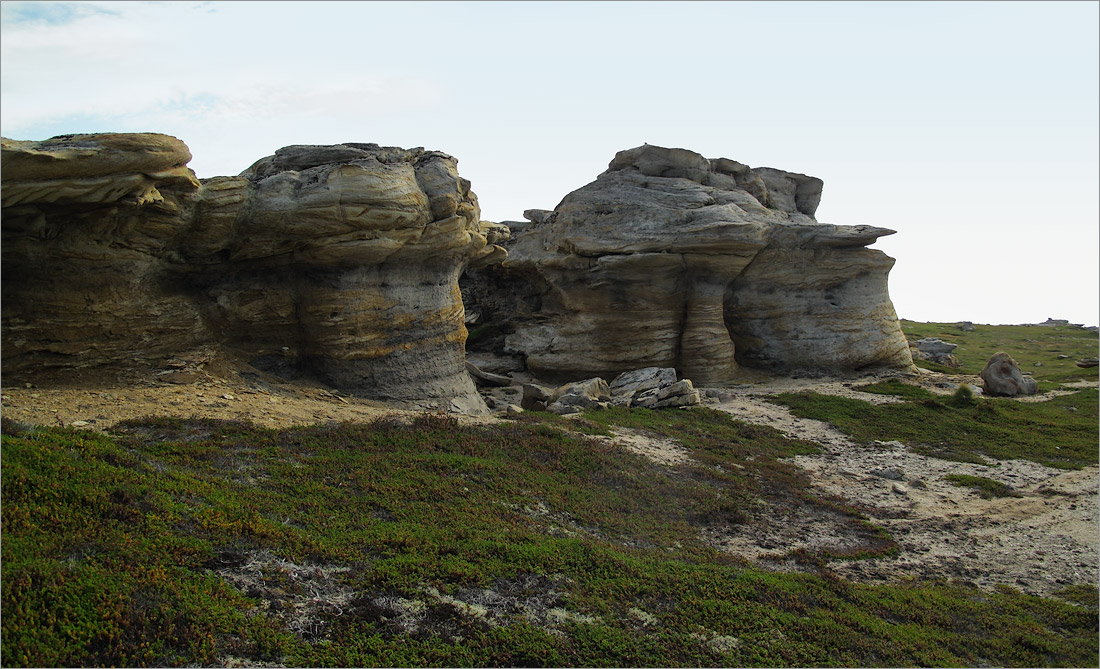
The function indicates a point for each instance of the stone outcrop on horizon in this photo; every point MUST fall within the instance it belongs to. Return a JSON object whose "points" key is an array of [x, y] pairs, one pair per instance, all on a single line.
{"points": [[337, 261], [669, 259]]}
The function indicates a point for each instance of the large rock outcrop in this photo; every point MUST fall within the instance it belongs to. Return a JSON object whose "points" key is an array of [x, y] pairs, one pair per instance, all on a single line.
{"points": [[668, 259], [337, 261], [90, 225]]}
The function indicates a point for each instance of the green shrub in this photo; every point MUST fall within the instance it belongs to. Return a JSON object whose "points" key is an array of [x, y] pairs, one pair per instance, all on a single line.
{"points": [[962, 397]]}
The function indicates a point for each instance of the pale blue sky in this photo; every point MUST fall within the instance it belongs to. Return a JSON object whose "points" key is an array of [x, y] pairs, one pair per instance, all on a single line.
{"points": [[973, 129]]}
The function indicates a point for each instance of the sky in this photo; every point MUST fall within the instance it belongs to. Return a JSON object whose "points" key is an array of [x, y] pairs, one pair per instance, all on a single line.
{"points": [[972, 129]]}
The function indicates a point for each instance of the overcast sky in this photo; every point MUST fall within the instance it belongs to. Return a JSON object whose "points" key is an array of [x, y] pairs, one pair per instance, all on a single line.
{"points": [[973, 129]]}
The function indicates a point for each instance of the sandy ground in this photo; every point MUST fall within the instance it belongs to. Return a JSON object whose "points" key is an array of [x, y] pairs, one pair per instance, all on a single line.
{"points": [[1040, 542]]}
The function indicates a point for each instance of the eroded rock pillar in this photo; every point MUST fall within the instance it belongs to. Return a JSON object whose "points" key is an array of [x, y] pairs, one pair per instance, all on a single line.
{"points": [[706, 350]]}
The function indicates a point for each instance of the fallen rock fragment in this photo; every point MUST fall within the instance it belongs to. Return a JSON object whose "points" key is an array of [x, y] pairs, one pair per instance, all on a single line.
{"points": [[640, 380], [484, 378]]}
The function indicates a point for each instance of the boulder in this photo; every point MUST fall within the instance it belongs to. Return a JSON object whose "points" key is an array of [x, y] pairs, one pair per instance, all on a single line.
{"points": [[687, 400], [1086, 363], [674, 261], [653, 388], [1002, 377], [573, 403], [340, 262], [683, 387]]}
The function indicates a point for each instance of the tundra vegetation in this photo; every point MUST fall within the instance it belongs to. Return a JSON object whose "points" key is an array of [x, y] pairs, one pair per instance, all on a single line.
{"points": [[530, 542]]}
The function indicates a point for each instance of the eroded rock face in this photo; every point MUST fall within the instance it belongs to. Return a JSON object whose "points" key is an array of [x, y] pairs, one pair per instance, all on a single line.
{"points": [[90, 229], [338, 261], [671, 260]]}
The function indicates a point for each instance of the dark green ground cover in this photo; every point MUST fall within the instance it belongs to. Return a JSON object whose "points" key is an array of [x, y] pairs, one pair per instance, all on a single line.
{"points": [[113, 545], [1061, 432], [1027, 344], [986, 487]]}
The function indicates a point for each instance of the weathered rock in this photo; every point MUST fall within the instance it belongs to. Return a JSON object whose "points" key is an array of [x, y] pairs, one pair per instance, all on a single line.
{"points": [[337, 261], [646, 399], [935, 350], [639, 380], [90, 230], [1002, 377], [690, 399], [483, 378], [573, 402], [935, 346], [535, 397], [672, 260], [1086, 363], [595, 389], [683, 387]]}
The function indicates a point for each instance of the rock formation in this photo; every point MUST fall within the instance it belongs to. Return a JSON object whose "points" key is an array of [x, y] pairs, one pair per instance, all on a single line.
{"points": [[668, 259], [337, 261], [343, 262], [91, 223]]}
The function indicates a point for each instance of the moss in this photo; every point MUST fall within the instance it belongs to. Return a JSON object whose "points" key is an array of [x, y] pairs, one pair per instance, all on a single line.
{"points": [[987, 488]]}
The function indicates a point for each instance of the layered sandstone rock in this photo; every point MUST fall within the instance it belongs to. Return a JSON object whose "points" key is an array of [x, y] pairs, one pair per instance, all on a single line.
{"points": [[90, 229], [668, 259], [337, 261]]}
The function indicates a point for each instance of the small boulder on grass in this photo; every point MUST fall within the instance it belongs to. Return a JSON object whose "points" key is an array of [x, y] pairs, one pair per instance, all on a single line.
{"points": [[1002, 377]]}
